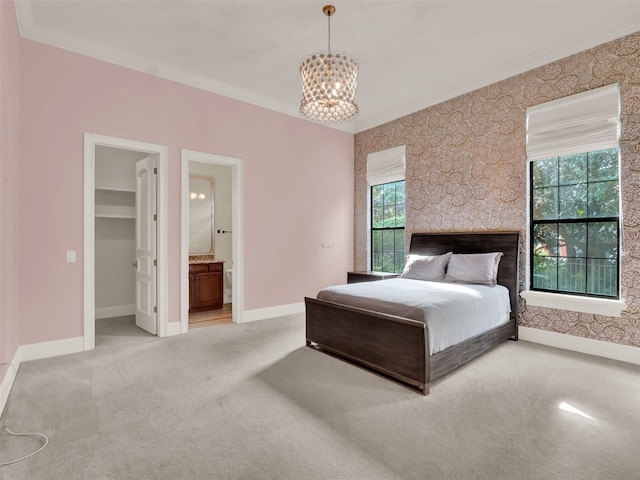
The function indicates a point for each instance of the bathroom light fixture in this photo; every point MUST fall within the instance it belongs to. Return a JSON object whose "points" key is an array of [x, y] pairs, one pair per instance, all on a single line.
{"points": [[329, 82]]}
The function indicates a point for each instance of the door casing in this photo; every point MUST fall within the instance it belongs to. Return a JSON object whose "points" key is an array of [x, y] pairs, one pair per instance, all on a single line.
{"points": [[161, 151], [237, 290]]}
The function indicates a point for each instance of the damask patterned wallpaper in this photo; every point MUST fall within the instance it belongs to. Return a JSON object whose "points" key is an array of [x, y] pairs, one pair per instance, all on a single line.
{"points": [[466, 170]]}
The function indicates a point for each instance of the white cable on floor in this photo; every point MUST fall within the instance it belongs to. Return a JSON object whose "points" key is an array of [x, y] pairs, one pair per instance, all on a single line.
{"points": [[46, 439], [46, 442]]}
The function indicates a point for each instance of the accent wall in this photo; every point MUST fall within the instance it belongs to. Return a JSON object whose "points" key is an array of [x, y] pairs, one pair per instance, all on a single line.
{"points": [[466, 169]]}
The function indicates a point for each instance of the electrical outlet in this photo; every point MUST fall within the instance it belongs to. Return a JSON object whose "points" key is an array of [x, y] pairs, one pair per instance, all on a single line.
{"points": [[71, 256]]}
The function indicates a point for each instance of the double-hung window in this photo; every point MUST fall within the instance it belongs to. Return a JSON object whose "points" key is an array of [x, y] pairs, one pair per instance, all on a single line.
{"points": [[385, 177], [575, 228], [574, 195], [387, 227]]}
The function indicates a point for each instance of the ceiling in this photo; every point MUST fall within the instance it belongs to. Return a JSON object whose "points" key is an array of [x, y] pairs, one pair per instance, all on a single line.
{"points": [[412, 54]]}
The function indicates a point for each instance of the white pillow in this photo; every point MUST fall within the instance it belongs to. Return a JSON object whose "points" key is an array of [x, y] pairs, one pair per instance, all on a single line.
{"points": [[421, 267], [480, 268]]}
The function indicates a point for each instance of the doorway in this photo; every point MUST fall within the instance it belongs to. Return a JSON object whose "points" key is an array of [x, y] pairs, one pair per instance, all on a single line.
{"points": [[112, 207], [226, 242]]}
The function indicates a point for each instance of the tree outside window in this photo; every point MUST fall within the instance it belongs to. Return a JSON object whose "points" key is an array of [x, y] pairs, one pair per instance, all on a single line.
{"points": [[387, 227], [575, 229]]}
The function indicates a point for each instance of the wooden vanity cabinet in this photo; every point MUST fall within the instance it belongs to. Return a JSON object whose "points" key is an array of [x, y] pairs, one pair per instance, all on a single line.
{"points": [[205, 286]]}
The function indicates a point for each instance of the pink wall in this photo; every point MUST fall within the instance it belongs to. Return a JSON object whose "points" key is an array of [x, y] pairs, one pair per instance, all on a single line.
{"points": [[298, 182], [9, 155]]}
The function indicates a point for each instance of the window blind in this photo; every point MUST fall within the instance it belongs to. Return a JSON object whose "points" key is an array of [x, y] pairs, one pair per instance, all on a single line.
{"points": [[580, 123], [386, 166]]}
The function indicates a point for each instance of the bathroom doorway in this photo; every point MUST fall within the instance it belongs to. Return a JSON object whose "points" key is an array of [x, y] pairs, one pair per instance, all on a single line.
{"points": [[211, 263]]}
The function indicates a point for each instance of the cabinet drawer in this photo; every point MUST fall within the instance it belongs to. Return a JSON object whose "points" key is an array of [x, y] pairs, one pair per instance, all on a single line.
{"points": [[205, 267], [215, 267], [198, 267]]}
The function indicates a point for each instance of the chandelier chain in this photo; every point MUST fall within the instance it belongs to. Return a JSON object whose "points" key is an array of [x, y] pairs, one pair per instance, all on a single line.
{"points": [[329, 28]]}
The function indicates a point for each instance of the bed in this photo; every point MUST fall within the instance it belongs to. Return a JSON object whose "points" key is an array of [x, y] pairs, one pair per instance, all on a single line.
{"points": [[397, 346]]}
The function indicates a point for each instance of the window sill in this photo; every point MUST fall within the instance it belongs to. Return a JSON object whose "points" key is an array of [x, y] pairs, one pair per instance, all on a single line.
{"points": [[597, 306]]}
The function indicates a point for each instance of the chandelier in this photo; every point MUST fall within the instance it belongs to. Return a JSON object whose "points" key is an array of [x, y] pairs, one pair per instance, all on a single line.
{"points": [[329, 82]]}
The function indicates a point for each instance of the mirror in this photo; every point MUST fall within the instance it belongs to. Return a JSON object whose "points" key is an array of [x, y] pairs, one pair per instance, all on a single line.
{"points": [[201, 213]]}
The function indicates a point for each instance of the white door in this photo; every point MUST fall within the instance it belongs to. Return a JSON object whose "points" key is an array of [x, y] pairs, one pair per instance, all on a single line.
{"points": [[146, 292]]}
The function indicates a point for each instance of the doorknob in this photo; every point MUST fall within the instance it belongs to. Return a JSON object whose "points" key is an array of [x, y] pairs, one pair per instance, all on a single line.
{"points": [[135, 264]]}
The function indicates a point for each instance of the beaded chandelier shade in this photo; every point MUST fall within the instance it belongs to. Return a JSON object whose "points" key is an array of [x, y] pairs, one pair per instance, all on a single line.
{"points": [[329, 82]]}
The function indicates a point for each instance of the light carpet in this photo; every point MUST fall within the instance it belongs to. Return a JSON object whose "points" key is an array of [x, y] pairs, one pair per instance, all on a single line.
{"points": [[251, 402]]}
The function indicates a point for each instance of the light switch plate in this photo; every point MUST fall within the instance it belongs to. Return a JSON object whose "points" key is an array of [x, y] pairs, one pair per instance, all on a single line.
{"points": [[71, 256]]}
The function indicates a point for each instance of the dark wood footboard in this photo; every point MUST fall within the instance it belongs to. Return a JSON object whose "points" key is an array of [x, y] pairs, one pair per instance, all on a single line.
{"points": [[393, 347]]}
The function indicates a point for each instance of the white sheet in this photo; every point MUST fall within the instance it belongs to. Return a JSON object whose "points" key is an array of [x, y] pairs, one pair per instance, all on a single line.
{"points": [[454, 312]]}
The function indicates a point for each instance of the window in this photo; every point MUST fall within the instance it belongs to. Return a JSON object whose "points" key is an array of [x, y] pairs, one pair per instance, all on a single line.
{"points": [[574, 208], [387, 227], [385, 177], [575, 224]]}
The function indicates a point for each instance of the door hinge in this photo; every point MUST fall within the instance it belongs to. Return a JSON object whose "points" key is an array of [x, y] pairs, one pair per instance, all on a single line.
{"points": [[155, 309], [155, 217], [155, 170], [155, 262]]}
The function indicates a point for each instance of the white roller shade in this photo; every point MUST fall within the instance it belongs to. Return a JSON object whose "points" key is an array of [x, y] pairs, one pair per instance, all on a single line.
{"points": [[580, 123], [386, 166]]}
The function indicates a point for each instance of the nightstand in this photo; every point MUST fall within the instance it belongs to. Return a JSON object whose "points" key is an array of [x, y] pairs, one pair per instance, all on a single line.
{"points": [[355, 277]]}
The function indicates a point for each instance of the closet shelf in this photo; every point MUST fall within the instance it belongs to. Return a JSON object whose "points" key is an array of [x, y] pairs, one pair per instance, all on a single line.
{"points": [[107, 215], [115, 211], [112, 189], [115, 203]]}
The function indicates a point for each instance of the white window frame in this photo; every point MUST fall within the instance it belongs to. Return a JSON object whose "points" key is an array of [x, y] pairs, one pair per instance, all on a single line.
{"points": [[394, 229], [384, 166], [591, 122]]}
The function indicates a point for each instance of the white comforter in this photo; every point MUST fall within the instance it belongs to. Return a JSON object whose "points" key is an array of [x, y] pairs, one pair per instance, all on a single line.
{"points": [[454, 312]]}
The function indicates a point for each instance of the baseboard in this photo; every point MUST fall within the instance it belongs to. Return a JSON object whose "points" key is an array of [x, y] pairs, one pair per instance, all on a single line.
{"points": [[36, 351], [7, 381], [614, 351], [117, 311], [271, 312]]}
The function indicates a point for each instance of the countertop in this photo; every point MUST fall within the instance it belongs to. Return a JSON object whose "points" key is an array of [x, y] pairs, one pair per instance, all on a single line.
{"points": [[203, 259]]}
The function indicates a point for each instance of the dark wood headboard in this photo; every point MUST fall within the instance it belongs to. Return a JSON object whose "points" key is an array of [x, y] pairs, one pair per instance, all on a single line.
{"points": [[477, 242]]}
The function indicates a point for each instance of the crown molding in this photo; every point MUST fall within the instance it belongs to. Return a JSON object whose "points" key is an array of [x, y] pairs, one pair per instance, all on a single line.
{"points": [[24, 17], [32, 31], [586, 41], [29, 29]]}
